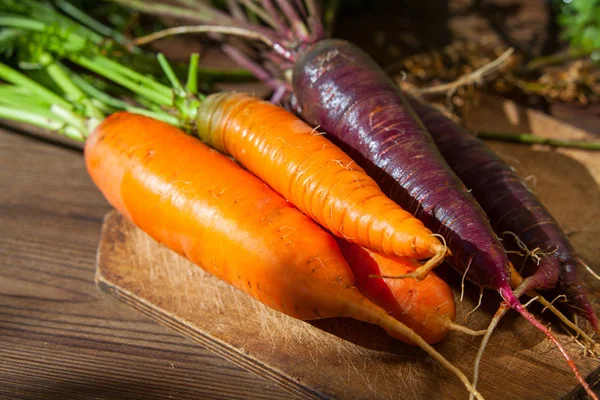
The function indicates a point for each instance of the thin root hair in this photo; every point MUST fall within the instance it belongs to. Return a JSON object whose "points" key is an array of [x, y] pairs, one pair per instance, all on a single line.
{"points": [[462, 282], [588, 268], [477, 306]]}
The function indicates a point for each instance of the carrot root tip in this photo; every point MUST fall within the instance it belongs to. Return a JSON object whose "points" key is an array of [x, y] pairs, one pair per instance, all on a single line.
{"points": [[461, 328], [423, 271]]}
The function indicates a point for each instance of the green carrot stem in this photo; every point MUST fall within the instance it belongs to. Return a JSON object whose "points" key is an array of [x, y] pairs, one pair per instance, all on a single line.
{"points": [[93, 64], [147, 81], [191, 85], [45, 13], [26, 106], [90, 22], [29, 117], [553, 59], [97, 63], [162, 116], [118, 104], [74, 38], [70, 118], [166, 67], [22, 23], [92, 91], [20, 97], [42, 121], [532, 139], [16, 78], [144, 102], [60, 76]]}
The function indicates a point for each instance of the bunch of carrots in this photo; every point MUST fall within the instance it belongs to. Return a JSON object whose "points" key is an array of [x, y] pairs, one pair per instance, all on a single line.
{"points": [[309, 226]]}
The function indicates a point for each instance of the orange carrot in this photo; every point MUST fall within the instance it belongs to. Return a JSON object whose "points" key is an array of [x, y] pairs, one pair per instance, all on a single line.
{"points": [[312, 173], [427, 306], [204, 206]]}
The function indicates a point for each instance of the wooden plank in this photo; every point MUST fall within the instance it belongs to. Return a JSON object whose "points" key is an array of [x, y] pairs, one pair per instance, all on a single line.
{"points": [[496, 114], [350, 360]]}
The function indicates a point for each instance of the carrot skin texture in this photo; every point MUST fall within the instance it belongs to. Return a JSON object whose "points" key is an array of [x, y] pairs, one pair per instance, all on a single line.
{"points": [[195, 201], [511, 207], [312, 173], [423, 305], [341, 89]]}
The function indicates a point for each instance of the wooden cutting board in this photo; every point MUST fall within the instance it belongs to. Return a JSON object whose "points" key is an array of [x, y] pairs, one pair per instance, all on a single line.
{"points": [[345, 359]]}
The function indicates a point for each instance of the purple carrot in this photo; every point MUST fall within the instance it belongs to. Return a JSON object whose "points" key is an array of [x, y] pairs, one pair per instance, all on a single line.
{"points": [[343, 91], [511, 207], [340, 88]]}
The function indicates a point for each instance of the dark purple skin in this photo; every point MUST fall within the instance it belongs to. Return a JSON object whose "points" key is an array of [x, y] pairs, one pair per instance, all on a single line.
{"points": [[344, 91], [511, 207]]}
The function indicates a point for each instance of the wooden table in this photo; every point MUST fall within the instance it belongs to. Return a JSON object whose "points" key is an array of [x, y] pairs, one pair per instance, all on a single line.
{"points": [[60, 336]]}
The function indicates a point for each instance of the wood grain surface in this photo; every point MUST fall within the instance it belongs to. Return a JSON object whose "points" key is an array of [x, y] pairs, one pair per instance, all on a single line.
{"points": [[345, 359]]}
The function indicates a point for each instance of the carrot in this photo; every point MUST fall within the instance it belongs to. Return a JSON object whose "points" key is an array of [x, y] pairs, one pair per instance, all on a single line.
{"points": [[312, 173], [427, 306], [205, 207], [303, 166], [335, 85], [512, 208]]}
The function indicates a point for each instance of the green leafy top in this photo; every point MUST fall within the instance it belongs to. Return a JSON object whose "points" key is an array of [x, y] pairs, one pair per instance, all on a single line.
{"points": [[580, 21], [47, 42]]}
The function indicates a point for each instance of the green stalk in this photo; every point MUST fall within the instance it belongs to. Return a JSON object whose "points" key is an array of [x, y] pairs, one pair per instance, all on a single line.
{"points": [[42, 121], [108, 100], [166, 67], [79, 43], [71, 119], [22, 23], [16, 78], [61, 77], [29, 117], [191, 85], [532, 139], [20, 97], [24, 106], [46, 14], [68, 43], [147, 81], [93, 92], [186, 105], [104, 69], [553, 59], [90, 22], [161, 116]]}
